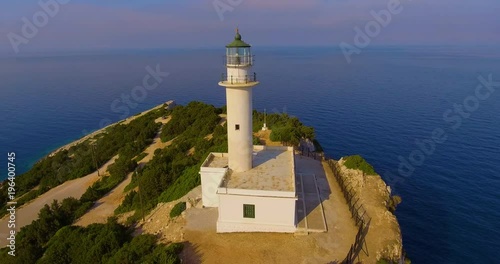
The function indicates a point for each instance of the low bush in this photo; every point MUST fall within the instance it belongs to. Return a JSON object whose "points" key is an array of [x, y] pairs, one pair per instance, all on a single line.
{"points": [[178, 209], [357, 162]]}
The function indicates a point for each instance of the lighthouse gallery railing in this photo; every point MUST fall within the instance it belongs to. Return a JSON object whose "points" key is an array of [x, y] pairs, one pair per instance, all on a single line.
{"points": [[238, 79]]}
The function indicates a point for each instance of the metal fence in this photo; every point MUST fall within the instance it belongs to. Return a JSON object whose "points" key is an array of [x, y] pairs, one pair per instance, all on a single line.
{"points": [[304, 151], [238, 79], [358, 213]]}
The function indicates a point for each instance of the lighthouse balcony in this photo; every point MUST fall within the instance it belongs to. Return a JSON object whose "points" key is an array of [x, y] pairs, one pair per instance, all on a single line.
{"points": [[247, 80]]}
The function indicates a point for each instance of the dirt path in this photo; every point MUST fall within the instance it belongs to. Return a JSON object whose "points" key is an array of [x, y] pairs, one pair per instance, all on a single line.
{"points": [[157, 144], [29, 212], [106, 206], [75, 188]]}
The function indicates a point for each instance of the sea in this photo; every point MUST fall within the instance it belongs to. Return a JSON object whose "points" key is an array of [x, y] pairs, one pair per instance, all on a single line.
{"points": [[426, 117]]}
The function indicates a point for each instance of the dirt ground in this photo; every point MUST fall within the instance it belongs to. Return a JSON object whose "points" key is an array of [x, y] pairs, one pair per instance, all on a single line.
{"points": [[29, 212], [106, 206], [75, 188], [158, 221], [196, 229], [264, 135]]}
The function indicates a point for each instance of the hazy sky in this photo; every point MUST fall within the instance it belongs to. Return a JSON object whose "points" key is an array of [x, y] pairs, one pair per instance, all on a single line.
{"points": [[96, 24]]}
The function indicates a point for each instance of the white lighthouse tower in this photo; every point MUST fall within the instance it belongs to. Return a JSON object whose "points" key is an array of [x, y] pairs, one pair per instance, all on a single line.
{"points": [[252, 186], [239, 82]]}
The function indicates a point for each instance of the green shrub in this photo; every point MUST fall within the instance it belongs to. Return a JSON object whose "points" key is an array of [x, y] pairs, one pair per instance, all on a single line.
{"points": [[287, 129], [128, 203], [357, 162], [134, 218], [185, 183], [140, 157], [178, 209], [192, 120], [80, 160], [82, 210], [106, 243]]}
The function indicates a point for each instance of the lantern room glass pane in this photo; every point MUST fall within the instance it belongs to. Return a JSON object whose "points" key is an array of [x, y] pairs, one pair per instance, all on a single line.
{"points": [[239, 56], [239, 51]]}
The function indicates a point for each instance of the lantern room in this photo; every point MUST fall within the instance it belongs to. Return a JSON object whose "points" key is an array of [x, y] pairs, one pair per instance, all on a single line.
{"points": [[238, 53]]}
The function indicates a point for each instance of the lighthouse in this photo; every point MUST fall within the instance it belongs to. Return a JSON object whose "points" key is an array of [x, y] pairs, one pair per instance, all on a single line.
{"points": [[239, 81], [252, 186]]}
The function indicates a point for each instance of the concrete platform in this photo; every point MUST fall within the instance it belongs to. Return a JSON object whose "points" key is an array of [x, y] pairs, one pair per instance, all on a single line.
{"points": [[309, 206], [273, 170]]}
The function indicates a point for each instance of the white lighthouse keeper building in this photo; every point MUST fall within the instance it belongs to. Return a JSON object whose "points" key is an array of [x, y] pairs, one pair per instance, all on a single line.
{"points": [[252, 186]]}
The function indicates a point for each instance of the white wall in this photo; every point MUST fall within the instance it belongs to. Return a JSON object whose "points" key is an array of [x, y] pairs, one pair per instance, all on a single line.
{"points": [[210, 180], [240, 142], [272, 214], [239, 74]]}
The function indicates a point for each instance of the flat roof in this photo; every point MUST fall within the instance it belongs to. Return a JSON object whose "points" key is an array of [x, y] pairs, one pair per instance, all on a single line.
{"points": [[218, 162], [273, 170]]}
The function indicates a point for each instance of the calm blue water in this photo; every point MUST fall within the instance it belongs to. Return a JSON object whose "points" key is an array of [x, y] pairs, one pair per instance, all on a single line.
{"points": [[377, 107]]}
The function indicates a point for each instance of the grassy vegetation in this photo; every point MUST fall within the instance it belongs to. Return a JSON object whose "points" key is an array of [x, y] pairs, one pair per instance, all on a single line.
{"points": [[178, 209], [172, 173], [284, 128], [256, 141], [125, 140], [140, 157], [194, 119], [52, 237], [118, 171], [358, 163], [97, 243], [182, 185], [33, 238]]}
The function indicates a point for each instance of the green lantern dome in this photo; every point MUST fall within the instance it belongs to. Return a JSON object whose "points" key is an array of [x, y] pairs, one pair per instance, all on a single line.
{"points": [[237, 42]]}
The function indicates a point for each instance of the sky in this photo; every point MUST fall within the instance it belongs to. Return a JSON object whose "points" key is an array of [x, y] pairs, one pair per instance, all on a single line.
{"points": [[144, 24]]}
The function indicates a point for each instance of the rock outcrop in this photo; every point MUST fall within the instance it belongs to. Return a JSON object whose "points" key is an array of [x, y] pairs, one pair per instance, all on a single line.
{"points": [[383, 239]]}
